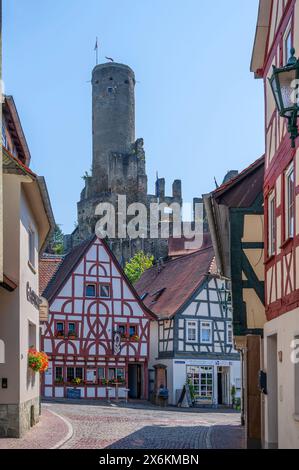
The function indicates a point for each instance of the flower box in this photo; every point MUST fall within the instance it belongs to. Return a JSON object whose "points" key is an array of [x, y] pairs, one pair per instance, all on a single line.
{"points": [[37, 360], [135, 338]]}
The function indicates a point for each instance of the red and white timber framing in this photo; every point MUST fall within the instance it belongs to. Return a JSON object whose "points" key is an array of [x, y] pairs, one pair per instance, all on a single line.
{"points": [[96, 320], [282, 268]]}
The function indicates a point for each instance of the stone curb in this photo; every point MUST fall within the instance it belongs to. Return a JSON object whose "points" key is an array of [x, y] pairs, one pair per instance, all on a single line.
{"points": [[69, 433], [209, 438]]}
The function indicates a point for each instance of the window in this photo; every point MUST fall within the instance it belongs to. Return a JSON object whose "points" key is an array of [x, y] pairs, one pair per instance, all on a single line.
{"points": [[101, 373], [72, 329], [90, 290], [110, 89], [272, 224], [201, 378], [58, 374], [191, 331], [287, 45], [122, 330], [4, 138], [74, 373], [229, 333], [31, 242], [206, 332], [133, 330], [290, 201], [60, 329], [116, 374], [105, 291]]}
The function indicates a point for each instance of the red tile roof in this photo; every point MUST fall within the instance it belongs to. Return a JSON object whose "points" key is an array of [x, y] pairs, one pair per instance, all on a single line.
{"points": [[166, 289], [177, 246], [48, 266], [64, 269]]}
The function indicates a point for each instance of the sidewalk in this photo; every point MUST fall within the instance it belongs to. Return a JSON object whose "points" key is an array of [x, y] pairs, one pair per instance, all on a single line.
{"points": [[51, 432]]}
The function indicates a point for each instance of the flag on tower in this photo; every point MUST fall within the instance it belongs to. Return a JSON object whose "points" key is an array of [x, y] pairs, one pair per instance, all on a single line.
{"points": [[96, 48]]}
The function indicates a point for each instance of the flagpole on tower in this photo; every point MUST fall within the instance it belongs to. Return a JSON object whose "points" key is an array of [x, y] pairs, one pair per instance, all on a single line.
{"points": [[96, 48]]}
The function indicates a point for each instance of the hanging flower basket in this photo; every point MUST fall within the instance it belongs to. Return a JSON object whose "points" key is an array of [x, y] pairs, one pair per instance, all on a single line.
{"points": [[37, 361]]}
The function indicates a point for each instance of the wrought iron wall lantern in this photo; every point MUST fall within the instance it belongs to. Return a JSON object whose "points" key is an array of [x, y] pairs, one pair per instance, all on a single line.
{"points": [[285, 87]]}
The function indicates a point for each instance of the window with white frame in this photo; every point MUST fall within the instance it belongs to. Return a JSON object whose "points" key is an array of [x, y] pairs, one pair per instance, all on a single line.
{"points": [[31, 246], [288, 44], [271, 224], [206, 332], [290, 201], [229, 333], [191, 331]]}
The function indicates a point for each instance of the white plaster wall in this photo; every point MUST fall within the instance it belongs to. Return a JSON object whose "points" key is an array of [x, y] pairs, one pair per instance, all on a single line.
{"points": [[29, 381], [286, 327]]}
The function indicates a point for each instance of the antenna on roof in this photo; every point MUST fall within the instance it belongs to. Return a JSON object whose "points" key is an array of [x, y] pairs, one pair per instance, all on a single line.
{"points": [[216, 184]]}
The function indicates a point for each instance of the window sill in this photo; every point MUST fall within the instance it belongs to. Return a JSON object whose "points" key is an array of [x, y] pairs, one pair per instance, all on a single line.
{"points": [[31, 267]]}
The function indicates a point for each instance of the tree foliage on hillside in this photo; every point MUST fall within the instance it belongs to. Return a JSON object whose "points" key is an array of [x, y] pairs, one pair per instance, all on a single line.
{"points": [[137, 265], [55, 245]]}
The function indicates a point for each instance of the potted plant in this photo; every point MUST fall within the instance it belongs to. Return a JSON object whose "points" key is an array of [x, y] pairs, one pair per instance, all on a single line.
{"points": [[77, 381], [104, 382], [59, 334], [72, 335], [124, 336], [135, 338], [59, 380], [233, 394], [37, 360]]}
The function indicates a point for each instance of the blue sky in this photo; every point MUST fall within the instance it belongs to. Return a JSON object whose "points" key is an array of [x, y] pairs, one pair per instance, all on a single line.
{"points": [[198, 107]]}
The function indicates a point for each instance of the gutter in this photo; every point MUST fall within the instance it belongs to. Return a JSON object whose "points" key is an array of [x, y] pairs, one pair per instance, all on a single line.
{"points": [[48, 209]]}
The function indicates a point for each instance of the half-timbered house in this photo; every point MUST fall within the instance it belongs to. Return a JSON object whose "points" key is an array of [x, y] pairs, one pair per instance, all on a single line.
{"points": [[193, 336], [236, 219], [276, 34], [98, 332]]}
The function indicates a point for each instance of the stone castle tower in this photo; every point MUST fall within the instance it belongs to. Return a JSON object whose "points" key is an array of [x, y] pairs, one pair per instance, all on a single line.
{"points": [[118, 162]]}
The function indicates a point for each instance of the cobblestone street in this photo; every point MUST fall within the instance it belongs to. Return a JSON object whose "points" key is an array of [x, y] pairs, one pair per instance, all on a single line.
{"points": [[92, 425], [143, 426]]}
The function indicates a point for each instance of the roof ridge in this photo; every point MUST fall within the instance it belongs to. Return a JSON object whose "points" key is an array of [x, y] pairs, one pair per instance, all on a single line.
{"points": [[240, 175], [182, 257]]}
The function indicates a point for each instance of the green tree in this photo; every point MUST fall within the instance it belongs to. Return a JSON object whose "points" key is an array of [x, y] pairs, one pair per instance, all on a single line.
{"points": [[137, 265], [55, 245]]}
